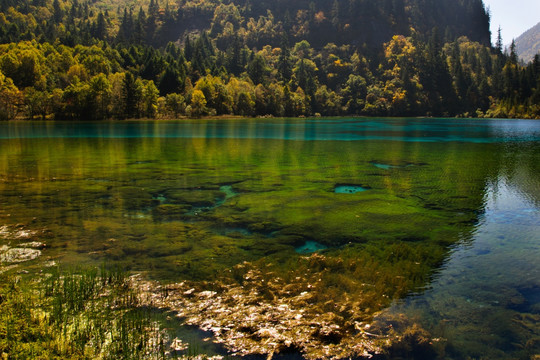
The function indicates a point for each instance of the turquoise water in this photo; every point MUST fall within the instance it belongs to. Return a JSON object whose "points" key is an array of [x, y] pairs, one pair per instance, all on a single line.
{"points": [[349, 189], [310, 247], [447, 233], [398, 129]]}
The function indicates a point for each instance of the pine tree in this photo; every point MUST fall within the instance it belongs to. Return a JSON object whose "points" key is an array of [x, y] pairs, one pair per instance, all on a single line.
{"points": [[151, 21], [284, 65], [125, 28], [58, 14], [234, 57], [335, 14], [257, 69], [499, 43], [188, 49], [139, 34], [172, 80], [513, 58], [131, 95], [100, 28]]}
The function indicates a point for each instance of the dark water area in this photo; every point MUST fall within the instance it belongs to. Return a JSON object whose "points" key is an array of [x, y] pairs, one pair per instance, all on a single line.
{"points": [[437, 220]]}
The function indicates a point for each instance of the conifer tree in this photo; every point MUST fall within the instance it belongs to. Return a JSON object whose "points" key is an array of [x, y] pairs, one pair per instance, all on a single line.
{"points": [[499, 42], [58, 13]]}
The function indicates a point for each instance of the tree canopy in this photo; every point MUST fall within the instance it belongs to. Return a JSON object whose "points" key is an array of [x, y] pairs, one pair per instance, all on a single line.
{"points": [[73, 59]]}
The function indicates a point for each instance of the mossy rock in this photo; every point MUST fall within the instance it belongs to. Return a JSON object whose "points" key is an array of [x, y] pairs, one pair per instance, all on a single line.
{"points": [[168, 212], [169, 248], [262, 185], [334, 219], [265, 247], [134, 198], [264, 227], [195, 197]]}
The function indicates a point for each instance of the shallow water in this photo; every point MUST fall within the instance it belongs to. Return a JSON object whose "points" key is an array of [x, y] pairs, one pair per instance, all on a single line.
{"points": [[310, 247], [485, 299], [448, 233], [349, 189]]}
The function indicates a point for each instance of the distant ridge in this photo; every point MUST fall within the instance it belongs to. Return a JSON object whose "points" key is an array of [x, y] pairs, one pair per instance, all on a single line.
{"points": [[528, 44]]}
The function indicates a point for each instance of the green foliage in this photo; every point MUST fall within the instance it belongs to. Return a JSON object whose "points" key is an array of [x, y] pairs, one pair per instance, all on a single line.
{"points": [[64, 59], [10, 97], [198, 103], [257, 69], [175, 104]]}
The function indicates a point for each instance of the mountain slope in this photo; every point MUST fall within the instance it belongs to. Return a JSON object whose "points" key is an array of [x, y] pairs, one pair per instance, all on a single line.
{"points": [[528, 43], [353, 22]]}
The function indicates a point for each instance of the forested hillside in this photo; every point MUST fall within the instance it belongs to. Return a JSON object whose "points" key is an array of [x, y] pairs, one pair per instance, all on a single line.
{"points": [[71, 59]]}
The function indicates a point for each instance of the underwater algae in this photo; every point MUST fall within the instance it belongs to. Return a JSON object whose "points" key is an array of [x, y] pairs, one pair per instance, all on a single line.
{"points": [[140, 214], [214, 226]]}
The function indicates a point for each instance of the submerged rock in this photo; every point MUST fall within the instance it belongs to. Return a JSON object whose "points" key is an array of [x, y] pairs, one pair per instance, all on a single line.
{"points": [[134, 198], [16, 255], [401, 165], [24, 251], [167, 212], [32, 245], [4, 231], [17, 232], [194, 197]]}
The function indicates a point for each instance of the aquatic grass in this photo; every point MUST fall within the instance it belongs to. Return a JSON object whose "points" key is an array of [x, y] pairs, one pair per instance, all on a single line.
{"points": [[24, 333], [100, 308], [82, 313]]}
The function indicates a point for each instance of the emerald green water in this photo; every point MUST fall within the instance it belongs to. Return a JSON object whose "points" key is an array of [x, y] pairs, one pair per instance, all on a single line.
{"points": [[439, 216]]}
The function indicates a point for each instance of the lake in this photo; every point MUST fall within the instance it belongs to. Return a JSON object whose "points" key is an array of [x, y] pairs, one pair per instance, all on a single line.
{"points": [[324, 237]]}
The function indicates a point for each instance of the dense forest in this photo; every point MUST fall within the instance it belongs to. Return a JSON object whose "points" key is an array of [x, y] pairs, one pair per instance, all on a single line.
{"points": [[99, 59]]}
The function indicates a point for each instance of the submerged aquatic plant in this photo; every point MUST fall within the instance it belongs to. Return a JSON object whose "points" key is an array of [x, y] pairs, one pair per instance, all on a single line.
{"points": [[323, 307], [78, 313]]}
